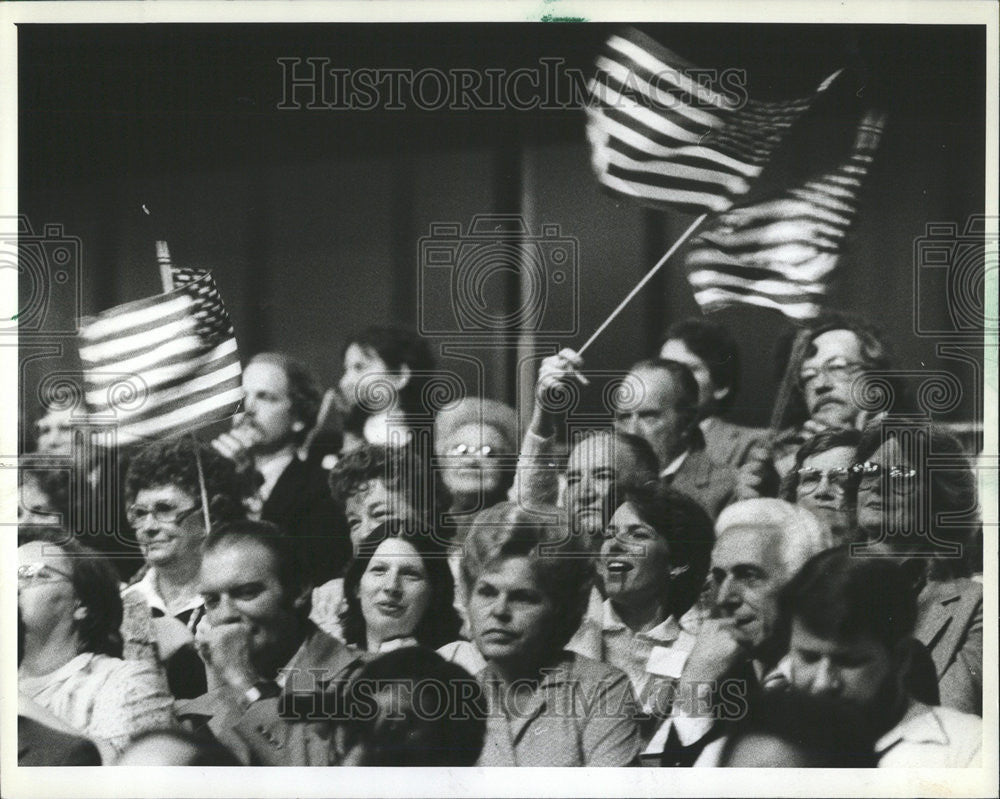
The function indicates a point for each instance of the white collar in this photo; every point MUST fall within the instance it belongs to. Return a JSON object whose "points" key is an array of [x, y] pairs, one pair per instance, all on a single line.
{"points": [[385, 431], [666, 631], [674, 465], [271, 469], [146, 588], [919, 724], [395, 643]]}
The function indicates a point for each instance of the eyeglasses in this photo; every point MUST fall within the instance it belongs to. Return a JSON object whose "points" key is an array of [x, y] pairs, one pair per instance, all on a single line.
{"points": [[810, 478], [162, 512], [898, 477], [41, 573], [838, 370], [459, 450]]}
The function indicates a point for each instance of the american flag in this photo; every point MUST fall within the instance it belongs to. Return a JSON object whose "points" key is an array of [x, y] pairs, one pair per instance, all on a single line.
{"points": [[162, 364], [781, 253], [662, 137]]}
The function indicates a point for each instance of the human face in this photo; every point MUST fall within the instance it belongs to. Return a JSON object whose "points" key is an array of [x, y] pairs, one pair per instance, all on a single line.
{"points": [[470, 462], [267, 408], [371, 505], [35, 506], [708, 393], [747, 572], [594, 468], [887, 500], [826, 377], [650, 411], [169, 543], [635, 560], [853, 671], [240, 585], [510, 616], [46, 597], [358, 363], [827, 500], [395, 592], [55, 432]]}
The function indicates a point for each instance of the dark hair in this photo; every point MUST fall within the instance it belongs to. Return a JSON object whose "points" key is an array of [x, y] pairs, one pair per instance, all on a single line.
{"points": [[686, 527], [951, 492], [303, 389], [821, 442], [714, 345], [874, 348], [402, 469], [687, 400], [401, 728], [206, 750], [509, 531], [174, 462], [54, 483], [285, 551], [824, 731], [839, 597], [397, 348], [95, 584], [440, 623]]}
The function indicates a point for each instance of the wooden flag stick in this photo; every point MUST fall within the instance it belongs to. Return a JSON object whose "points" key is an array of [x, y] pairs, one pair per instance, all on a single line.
{"points": [[321, 417], [795, 359], [201, 484], [163, 259], [638, 287]]}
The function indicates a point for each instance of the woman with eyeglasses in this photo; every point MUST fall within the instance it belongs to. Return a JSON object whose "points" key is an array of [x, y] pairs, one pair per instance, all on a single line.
{"points": [[652, 564], [165, 509], [917, 500], [822, 481], [399, 591], [72, 665]]}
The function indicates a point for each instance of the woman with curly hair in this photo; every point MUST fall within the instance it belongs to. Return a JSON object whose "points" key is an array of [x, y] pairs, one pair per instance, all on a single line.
{"points": [[399, 591], [166, 510], [72, 666]]}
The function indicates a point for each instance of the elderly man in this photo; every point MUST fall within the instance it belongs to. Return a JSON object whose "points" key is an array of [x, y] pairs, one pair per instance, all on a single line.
{"points": [[709, 350], [760, 544], [280, 407], [275, 672]]}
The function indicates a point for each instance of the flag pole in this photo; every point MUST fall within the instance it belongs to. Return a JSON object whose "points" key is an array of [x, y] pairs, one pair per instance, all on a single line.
{"points": [[321, 417], [795, 359], [202, 488], [163, 259], [638, 287]]}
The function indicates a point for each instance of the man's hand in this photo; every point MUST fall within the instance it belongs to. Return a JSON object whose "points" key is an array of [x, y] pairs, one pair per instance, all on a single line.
{"points": [[757, 477], [716, 652], [236, 445], [171, 635], [555, 375], [225, 648]]}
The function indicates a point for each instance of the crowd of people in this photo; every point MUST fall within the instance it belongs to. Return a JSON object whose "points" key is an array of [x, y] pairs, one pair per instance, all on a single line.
{"points": [[491, 587]]}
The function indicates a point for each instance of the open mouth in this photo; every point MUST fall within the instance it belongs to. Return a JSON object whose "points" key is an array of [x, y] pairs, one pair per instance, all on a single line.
{"points": [[393, 609], [618, 566]]}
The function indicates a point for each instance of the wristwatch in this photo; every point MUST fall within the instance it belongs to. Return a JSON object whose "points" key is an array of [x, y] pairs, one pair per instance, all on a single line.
{"points": [[265, 689]]}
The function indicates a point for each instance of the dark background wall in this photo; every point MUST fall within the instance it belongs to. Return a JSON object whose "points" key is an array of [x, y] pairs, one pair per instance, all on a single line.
{"points": [[311, 219]]}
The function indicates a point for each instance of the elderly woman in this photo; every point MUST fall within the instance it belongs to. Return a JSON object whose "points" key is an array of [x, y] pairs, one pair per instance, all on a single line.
{"points": [[822, 480], [653, 564], [165, 508], [399, 591], [927, 517], [476, 444], [548, 706], [68, 599]]}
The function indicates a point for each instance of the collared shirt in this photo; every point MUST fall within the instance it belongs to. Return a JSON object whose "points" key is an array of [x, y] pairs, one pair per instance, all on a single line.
{"points": [[932, 737], [271, 469], [653, 660], [674, 466], [150, 593]]}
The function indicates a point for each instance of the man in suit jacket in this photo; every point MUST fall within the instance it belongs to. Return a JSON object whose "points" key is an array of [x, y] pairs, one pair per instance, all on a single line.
{"points": [[711, 353], [281, 404], [659, 402], [950, 625]]}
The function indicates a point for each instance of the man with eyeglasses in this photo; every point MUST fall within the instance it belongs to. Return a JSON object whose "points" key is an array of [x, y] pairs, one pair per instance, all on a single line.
{"points": [[163, 605]]}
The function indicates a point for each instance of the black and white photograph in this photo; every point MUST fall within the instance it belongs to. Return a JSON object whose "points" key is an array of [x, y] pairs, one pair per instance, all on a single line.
{"points": [[429, 391]]}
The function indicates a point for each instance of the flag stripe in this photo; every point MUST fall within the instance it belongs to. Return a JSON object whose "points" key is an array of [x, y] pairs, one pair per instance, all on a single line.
{"points": [[187, 418]]}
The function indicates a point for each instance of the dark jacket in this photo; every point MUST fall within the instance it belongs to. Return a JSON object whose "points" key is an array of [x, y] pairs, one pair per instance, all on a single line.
{"points": [[38, 745]]}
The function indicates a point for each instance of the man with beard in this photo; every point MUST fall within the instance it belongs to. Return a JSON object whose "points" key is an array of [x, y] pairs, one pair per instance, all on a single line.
{"points": [[851, 623], [760, 544], [281, 400]]}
